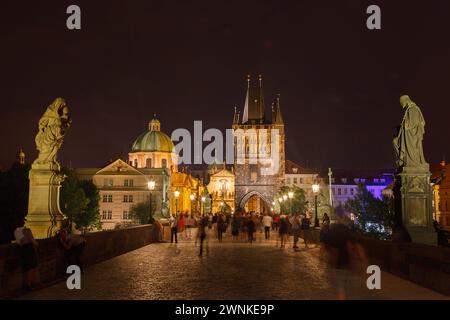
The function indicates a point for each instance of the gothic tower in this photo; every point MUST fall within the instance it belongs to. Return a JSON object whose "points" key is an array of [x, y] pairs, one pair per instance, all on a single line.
{"points": [[259, 152]]}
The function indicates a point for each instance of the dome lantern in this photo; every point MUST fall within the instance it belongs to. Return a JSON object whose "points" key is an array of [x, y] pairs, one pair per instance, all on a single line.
{"points": [[154, 124]]}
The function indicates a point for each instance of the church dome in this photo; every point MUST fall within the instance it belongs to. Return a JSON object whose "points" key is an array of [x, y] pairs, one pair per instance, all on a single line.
{"points": [[153, 140]]}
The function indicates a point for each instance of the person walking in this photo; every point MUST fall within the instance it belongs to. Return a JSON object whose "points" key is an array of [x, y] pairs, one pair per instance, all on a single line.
{"points": [[325, 226], [250, 229], [173, 228], [220, 227], [306, 223], [295, 229], [283, 231], [202, 233], [267, 223], [29, 255], [190, 222], [276, 222], [235, 225]]}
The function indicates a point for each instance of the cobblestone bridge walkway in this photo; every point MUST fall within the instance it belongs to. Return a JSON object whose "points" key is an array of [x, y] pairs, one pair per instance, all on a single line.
{"points": [[229, 270]]}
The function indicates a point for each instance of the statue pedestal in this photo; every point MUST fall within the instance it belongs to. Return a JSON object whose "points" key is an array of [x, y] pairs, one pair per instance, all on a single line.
{"points": [[44, 215], [416, 204]]}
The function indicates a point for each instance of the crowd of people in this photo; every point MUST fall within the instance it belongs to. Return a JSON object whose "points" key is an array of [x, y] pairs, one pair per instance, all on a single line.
{"points": [[247, 226]]}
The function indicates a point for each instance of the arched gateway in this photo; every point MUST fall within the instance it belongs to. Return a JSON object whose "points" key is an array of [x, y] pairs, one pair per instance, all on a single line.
{"points": [[254, 201]]}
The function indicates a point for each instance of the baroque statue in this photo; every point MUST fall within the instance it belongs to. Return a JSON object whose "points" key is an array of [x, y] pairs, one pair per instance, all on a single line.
{"points": [[53, 126], [408, 141]]}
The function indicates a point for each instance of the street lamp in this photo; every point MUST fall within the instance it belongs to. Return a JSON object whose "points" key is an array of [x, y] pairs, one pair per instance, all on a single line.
{"points": [[150, 187], [177, 194], [290, 195], [192, 197], [316, 189], [203, 205]]}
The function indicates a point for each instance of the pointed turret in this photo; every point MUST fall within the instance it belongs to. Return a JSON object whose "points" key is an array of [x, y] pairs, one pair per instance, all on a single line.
{"points": [[277, 118], [236, 116], [254, 104]]}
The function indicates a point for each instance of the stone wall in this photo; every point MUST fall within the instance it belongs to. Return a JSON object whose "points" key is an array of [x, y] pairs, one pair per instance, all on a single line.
{"points": [[428, 266], [100, 246]]}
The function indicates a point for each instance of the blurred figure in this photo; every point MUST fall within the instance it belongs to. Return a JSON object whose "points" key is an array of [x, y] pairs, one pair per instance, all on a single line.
{"points": [[157, 231], [29, 255], [202, 234], [250, 229], [235, 226], [173, 228], [345, 257], [276, 222], [295, 223], [190, 222], [73, 247], [267, 222], [305, 225], [221, 226], [283, 231]]}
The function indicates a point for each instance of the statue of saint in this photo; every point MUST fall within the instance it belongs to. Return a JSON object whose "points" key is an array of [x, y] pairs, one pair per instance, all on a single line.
{"points": [[408, 142], [53, 126]]}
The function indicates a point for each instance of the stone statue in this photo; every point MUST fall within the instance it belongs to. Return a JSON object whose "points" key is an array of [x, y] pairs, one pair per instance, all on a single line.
{"points": [[53, 126], [408, 142]]}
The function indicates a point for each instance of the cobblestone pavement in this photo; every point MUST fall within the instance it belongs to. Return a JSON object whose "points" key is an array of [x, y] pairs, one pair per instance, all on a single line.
{"points": [[229, 270]]}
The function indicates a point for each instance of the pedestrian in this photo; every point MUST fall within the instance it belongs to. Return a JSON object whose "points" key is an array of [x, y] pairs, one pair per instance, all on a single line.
{"points": [[220, 227], [325, 226], [181, 223], [173, 228], [157, 231], [295, 223], [202, 233], [283, 231], [250, 229], [73, 247], [235, 226], [29, 255], [276, 222], [267, 222], [190, 222], [305, 225]]}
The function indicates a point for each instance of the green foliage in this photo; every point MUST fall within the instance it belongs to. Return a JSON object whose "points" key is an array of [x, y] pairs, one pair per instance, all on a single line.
{"points": [[14, 185], [140, 212], [294, 205], [79, 201], [374, 217]]}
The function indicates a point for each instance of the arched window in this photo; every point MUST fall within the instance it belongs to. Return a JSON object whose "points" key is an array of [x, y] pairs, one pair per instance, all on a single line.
{"points": [[164, 163], [148, 163]]}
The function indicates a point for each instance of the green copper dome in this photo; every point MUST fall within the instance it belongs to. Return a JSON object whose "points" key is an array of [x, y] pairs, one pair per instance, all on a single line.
{"points": [[153, 140]]}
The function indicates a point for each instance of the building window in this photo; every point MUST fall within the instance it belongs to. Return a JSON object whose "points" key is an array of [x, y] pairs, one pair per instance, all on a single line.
{"points": [[131, 183], [126, 215], [334, 191], [104, 215], [356, 180], [301, 180], [295, 180], [109, 217], [135, 163], [376, 180], [107, 198], [344, 180], [339, 191], [125, 183], [383, 180], [130, 198], [363, 180], [148, 163], [351, 191], [108, 183], [125, 198], [345, 191], [288, 180], [164, 163]]}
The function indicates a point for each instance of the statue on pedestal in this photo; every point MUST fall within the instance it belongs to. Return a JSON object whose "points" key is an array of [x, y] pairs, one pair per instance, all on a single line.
{"points": [[53, 126], [412, 189], [44, 214], [408, 142]]}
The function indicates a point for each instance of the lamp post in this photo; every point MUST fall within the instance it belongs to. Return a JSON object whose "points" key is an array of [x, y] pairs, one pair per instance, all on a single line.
{"points": [[150, 187], [316, 189], [203, 205], [177, 194], [192, 197], [290, 195]]}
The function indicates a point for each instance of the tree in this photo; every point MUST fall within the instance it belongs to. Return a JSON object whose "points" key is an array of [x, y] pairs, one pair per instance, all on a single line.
{"points": [[140, 212], [14, 188], [79, 201], [298, 201], [374, 217]]}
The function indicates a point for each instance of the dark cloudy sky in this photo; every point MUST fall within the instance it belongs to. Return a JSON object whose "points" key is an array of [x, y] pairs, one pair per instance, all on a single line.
{"points": [[187, 60]]}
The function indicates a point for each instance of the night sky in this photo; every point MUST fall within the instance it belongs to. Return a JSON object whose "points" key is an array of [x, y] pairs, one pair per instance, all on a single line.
{"points": [[188, 60]]}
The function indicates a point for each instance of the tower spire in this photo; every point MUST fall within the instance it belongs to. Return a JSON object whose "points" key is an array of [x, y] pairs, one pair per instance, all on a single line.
{"points": [[276, 113], [246, 105]]}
